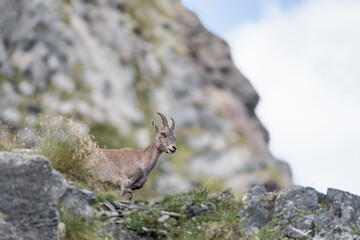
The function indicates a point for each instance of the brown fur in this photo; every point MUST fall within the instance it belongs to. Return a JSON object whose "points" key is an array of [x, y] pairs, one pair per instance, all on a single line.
{"points": [[129, 168]]}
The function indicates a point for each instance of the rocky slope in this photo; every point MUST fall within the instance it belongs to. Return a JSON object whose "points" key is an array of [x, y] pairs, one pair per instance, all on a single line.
{"points": [[32, 194], [112, 64]]}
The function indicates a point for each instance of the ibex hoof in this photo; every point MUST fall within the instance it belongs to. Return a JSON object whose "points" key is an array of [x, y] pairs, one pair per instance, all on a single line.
{"points": [[127, 195]]}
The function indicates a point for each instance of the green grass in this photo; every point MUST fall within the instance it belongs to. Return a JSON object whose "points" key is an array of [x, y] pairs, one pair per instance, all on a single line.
{"points": [[204, 215], [268, 233], [354, 230], [108, 196], [79, 228]]}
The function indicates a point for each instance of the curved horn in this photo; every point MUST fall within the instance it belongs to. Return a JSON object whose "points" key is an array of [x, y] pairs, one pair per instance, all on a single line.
{"points": [[173, 123], [164, 121]]}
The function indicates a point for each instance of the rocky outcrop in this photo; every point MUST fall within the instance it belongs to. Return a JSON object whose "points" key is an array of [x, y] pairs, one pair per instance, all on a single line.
{"points": [[302, 213], [116, 63], [30, 193]]}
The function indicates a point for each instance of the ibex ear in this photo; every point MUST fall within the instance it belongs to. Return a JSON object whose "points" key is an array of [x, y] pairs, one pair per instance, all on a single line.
{"points": [[156, 129]]}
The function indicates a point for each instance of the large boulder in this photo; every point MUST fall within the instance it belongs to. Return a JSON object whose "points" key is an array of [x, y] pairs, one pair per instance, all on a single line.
{"points": [[30, 191], [29, 194]]}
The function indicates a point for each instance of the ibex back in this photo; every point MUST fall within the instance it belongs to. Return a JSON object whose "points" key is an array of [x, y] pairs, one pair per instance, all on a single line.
{"points": [[129, 168]]}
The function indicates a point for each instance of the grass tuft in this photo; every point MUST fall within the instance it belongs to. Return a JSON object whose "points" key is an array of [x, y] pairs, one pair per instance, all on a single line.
{"points": [[67, 145]]}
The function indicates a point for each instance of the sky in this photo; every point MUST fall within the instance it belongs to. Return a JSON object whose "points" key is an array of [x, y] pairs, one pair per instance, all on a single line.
{"points": [[303, 57]]}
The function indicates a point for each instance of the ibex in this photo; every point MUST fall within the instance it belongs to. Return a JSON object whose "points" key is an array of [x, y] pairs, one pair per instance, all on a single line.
{"points": [[129, 168]]}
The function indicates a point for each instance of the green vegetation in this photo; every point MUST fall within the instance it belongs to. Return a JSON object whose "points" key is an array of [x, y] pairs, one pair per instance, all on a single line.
{"points": [[268, 233], [79, 228], [203, 215], [301, 213], [354, 230], [108, 196]]}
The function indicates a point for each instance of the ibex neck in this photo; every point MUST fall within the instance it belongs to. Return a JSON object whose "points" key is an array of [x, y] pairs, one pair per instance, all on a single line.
{"points": [[151, 154]]}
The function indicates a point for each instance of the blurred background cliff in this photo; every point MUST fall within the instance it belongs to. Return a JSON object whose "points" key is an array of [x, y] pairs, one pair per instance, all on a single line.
{"points": [[302, 57], [112, 64]]}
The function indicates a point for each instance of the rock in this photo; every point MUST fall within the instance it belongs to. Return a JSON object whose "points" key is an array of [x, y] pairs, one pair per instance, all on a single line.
{"points": [[193, 211], [109, 206], [344, 205], [9, 231], [295, 233], [293, 200], [302, 212], [76, 203], [28, 198], [111, 214], [174, 214], [121, 205], [89, 195], [257, 210], [163, 218]]}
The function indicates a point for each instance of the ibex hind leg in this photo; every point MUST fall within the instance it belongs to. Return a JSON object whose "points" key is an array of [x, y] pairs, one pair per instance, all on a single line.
{"points": [[127, 194], [125, 191]]}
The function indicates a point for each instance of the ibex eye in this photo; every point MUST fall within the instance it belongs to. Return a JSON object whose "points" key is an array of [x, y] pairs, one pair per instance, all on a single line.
{"points": [[163, 134]]}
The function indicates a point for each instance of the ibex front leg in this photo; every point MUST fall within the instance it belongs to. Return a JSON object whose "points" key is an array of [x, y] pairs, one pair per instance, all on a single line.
{"points": [[136, 182]]}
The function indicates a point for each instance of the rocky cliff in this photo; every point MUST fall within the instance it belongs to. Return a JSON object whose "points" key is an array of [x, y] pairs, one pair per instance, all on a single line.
{"points": [[37, 203], [112, 64]]}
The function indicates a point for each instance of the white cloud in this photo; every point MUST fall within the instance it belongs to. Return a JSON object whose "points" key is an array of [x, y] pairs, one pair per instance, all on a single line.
{"points": [[305, 64]]}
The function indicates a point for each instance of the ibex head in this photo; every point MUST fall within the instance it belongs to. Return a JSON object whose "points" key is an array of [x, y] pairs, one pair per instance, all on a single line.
{"points": [[165, 137]]}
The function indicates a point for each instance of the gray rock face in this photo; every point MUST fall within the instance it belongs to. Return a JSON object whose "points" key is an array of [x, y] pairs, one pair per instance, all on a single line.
{"points": [[118, 62], [30, 191], [302, 212], [257, 210], [28, 201]]}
